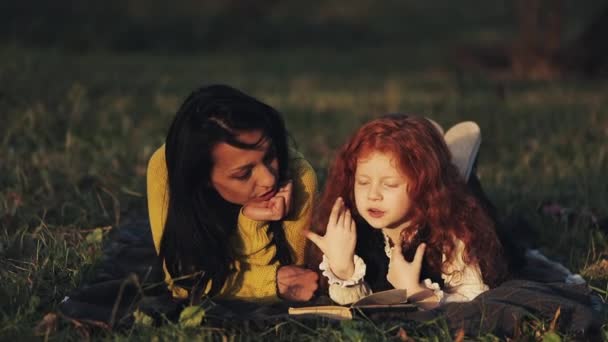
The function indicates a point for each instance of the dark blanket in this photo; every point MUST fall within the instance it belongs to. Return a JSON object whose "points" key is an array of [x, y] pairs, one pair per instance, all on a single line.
{"points": [[501, 311], [129, 274], [129, 277]]}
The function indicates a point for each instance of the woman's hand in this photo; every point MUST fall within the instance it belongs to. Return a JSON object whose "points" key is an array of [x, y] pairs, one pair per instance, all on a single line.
{"points": [[338, 243], [403, 274], [274, 209], [296, 283]]}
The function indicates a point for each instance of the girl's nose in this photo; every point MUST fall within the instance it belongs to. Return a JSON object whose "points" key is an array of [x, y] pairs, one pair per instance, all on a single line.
{"points": [[374, 193]]}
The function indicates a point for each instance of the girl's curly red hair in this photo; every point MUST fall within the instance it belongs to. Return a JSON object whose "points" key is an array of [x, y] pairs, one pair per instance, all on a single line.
{"points": [[441, 201]]}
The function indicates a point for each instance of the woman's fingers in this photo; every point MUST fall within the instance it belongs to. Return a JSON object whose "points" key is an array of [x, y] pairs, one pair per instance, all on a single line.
{"points": [[285, 192], [278, 207], [287, 187], [296, 283], [263, 211]]}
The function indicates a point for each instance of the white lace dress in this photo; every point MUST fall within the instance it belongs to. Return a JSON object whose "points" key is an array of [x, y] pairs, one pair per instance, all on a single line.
{"points": [[462, 282]]}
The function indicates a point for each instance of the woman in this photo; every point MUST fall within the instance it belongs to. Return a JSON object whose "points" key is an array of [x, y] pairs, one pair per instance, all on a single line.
{"points": [[228, 200]]}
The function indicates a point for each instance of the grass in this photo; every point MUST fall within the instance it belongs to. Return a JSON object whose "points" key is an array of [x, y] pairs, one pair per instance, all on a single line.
{"points": [[77, 130]]}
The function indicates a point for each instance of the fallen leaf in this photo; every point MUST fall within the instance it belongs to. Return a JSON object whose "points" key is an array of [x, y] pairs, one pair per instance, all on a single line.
{"points": [[47, 325], [551, 336], [191, 316], [142, 319], [459, 335], [402, 336]]}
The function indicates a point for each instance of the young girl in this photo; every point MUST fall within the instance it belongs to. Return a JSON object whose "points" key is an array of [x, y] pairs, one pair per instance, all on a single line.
{"points": [[397, 213], [228, 201]]}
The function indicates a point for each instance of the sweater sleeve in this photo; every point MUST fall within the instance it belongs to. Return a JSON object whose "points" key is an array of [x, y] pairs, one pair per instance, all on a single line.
{"points": [[157, 193], [252, 282]]}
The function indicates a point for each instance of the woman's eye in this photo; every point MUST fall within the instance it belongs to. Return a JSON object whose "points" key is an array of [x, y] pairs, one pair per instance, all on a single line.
{"points": [[391, 185], [243, 175], [362, 183]]}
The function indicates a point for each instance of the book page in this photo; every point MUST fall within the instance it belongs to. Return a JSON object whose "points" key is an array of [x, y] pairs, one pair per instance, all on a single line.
{"points": [[388, 297]]}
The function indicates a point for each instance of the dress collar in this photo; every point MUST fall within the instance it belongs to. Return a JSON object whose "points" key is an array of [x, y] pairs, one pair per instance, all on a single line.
{"points": [[387, 246]]}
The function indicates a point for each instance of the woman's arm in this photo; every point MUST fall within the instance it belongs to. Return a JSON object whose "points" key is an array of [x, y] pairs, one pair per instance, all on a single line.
{"points": [[255, 274], [252, 235]]}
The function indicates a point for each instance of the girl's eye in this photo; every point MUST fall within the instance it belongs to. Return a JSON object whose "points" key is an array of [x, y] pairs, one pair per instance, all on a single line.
{"points": [[391, 185], [242, 176], [362, 183]]}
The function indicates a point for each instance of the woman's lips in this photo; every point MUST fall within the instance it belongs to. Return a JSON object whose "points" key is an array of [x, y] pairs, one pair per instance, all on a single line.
{"points": [[375, 213], [266, 196]]}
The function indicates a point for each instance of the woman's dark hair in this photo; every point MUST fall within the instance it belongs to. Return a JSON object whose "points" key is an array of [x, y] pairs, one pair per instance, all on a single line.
{"points": [[200, 222]]}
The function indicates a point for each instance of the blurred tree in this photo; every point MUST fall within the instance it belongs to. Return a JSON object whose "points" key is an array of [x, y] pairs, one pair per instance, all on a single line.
{"points": [[588, 53], [539, 50], [540, 36]]}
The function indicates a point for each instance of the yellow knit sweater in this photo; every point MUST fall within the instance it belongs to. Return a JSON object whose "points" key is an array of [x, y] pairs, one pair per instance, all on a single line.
{"points": [[255, 278]]}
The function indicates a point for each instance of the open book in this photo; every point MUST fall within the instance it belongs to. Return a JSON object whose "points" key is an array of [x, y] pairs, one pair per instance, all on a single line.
{"points": [[380, 301]]}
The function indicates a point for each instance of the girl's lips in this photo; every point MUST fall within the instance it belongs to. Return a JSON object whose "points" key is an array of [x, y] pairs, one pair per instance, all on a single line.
{"points": [[375, 213]]}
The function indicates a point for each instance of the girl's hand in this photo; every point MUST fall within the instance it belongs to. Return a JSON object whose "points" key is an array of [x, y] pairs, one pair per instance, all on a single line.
{"points": [[296, 283], [403, 274], [338, 243], [274, 209]]}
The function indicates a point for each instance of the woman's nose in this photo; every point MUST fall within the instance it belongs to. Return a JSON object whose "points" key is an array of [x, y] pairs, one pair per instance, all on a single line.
{"points": [[266, 177]]}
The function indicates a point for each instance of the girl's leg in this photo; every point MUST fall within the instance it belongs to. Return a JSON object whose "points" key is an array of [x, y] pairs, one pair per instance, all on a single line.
{"points": [[463, 140]]}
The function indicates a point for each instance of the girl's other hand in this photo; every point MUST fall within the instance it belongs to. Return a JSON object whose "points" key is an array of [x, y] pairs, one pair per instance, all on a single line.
{"points": [[274, 209], [403, 274], [338, 243], [296, 283]]}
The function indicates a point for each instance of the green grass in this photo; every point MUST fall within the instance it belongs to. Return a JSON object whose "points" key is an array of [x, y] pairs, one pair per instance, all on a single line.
{"points": [[76, 132]]}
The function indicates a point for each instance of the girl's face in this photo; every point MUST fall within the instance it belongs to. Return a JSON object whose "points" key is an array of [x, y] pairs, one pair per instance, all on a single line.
{"points": [[241, 176], [381, 191]]}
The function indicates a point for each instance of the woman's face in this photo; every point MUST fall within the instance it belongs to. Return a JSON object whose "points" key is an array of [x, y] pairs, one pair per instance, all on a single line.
{"points": [[240, 175], [381, 193]]}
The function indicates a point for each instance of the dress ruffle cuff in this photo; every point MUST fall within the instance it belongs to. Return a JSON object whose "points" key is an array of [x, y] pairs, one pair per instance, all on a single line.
{"points": [[435, 288], [355, 279]]}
